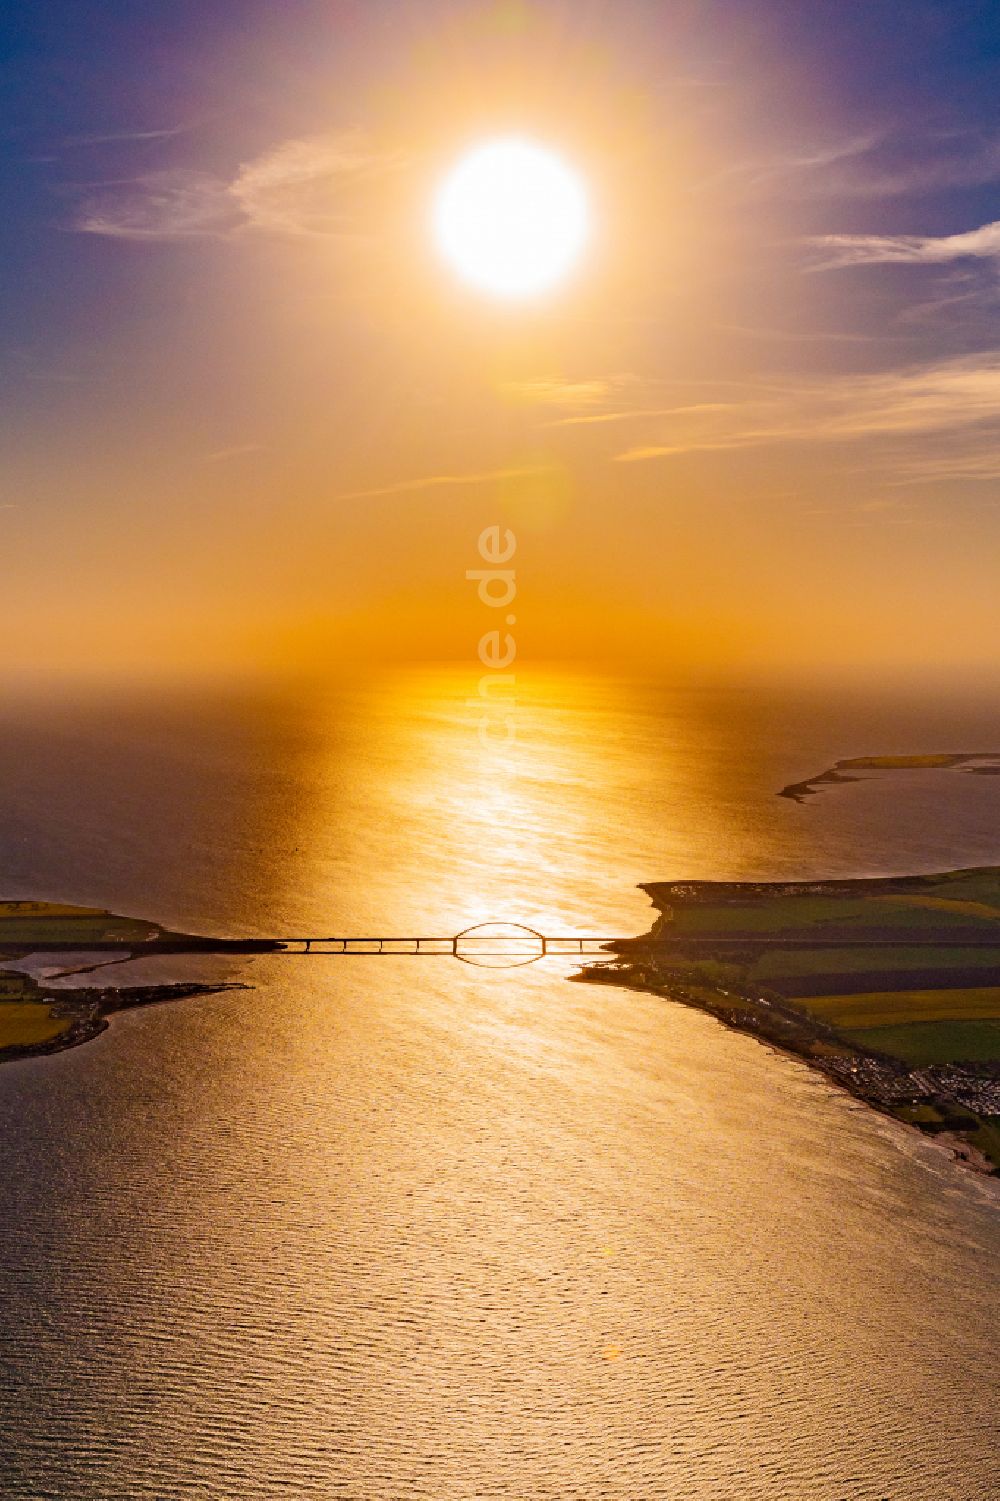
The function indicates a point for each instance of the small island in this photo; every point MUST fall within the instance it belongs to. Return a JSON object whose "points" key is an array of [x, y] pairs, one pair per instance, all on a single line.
{"points": [[979, 763], [890, 988]]}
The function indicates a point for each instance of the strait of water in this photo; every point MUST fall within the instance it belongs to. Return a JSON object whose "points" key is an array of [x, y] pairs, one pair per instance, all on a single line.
{"points": [[399, 1228]]}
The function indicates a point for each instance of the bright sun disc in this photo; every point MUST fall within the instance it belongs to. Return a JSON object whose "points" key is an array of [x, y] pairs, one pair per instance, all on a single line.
{"points": [[511, 217]]}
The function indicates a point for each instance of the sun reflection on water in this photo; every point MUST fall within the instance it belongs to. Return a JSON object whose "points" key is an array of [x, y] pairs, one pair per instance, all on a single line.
{"points": [[390, 1227]]}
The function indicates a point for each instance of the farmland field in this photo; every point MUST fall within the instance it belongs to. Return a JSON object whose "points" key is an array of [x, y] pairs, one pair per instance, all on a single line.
{"points": [[28, 1023], [890, 985], [921, 1043], [895, 1008]]}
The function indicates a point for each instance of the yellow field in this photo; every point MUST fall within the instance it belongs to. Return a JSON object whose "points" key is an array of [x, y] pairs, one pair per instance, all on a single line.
{"points": [[889, 1008], [24, 1023]]}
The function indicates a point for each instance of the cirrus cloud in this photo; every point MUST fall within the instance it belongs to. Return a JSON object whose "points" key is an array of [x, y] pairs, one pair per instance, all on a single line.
{"points": [[172, 205], [874, 250], [306, 186], [945, 414], [444, 481]]}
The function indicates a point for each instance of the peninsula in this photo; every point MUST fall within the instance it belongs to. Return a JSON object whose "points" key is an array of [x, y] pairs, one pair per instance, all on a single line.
{"points": [[38, 1016], [890, 988], [979, 763]]}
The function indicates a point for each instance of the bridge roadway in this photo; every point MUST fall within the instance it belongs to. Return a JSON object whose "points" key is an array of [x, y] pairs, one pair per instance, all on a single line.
{"points": [[524, 943]]}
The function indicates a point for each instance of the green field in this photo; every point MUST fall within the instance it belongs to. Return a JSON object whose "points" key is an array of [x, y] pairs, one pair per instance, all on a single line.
{"points": [[785, 964], [778, 914], [907, 967], [987, 1138], [797, 915], [921, 1043], [50, 922], [715, 906]]}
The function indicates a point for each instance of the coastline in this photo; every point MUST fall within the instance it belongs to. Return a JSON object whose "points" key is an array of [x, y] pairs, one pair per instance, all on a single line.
{"points": [[811, 969], [88, 1011], [709, 941], [39, 1018], [975, 763], [742, 1015]]}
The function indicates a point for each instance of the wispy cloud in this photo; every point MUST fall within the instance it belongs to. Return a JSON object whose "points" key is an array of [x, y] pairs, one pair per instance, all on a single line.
{"points": [[957, 397], [874, 250], [801, 335], [298, 188], [960, 295], [301, 187], [172, 205], [443, 481], [875, 163], [788, 170], [878, 511], [971, 462], [553, 391], [113, 137], [638, 414], [930, 162], [646, 451]]}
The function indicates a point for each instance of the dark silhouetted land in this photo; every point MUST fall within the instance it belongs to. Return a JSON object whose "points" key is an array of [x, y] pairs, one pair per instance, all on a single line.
{"points": [[980, 763]]}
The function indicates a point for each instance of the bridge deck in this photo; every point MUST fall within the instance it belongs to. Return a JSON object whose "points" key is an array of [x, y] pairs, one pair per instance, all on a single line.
{"points": [[538, 944]]}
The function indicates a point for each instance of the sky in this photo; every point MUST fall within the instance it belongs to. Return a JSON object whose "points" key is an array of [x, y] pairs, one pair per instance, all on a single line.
{"points": [[250, 420]]}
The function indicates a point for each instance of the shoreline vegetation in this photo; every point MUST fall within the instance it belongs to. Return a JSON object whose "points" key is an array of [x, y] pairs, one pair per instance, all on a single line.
{"points": [[978, 763], [890, 988]]}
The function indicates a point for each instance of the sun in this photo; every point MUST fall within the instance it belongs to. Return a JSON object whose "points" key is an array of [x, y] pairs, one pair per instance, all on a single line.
{"points": [[512, 217]]}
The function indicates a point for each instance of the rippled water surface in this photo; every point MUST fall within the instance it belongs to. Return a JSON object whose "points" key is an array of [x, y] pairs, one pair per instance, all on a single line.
{"points": [[397, 1228]]}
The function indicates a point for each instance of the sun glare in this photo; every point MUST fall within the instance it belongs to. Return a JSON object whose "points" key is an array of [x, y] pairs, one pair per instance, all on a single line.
{"points": [[511, 217]]}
